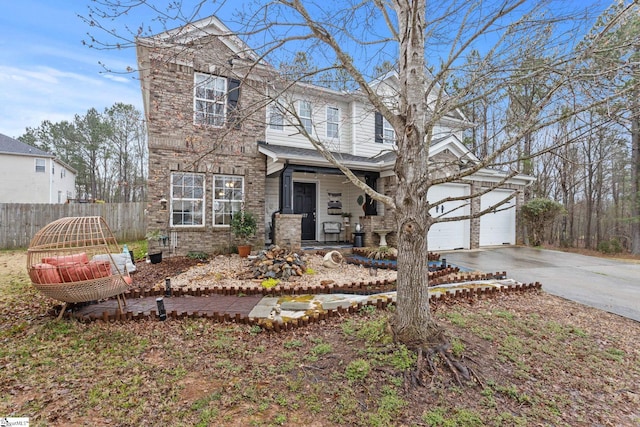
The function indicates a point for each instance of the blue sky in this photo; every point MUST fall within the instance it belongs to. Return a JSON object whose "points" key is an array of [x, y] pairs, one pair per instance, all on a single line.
{"points": [[46, 73]]}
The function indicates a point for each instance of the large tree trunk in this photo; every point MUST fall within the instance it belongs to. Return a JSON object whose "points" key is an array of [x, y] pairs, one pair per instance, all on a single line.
{"points": [[413, 324]]}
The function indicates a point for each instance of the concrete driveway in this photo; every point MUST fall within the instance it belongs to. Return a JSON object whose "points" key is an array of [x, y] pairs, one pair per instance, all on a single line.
{"points": [[606, 284]]}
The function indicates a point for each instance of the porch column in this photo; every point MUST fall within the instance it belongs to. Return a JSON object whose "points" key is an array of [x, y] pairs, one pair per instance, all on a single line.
{"points": [[370, 207], [288, 231], [286, 190]]}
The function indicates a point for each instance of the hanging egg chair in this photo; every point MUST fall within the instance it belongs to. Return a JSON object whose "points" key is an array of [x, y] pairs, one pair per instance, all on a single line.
{"points": [[77, 259]]}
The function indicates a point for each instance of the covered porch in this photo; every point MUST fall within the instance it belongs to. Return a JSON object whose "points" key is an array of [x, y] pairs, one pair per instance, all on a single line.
{"points": [[310, 203]]}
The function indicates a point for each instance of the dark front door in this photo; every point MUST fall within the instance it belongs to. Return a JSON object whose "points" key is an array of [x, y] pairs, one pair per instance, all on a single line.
{"points": [[304, 203]]}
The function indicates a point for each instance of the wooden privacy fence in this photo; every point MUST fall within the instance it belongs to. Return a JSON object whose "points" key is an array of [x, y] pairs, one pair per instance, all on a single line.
{"points": [[19, 222]]}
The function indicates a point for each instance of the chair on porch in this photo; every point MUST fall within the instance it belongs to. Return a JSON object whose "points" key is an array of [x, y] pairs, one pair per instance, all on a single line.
{"points": [[332, 227]]}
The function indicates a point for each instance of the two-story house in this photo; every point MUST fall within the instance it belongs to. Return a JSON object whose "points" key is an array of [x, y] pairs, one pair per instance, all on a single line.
{"points": [[226, 134], [30, 175]]}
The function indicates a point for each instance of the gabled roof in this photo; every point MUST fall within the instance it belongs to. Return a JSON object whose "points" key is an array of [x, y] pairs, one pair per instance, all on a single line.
{"points": [[453, 144], [9, 145], [210, 26], [14, 147]]}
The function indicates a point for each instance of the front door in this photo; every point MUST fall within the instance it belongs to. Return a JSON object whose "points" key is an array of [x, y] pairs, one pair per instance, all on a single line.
{"points": [[304, 203]]}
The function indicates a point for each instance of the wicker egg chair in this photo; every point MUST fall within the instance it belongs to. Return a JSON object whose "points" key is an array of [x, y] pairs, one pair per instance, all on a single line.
{"points": [[77, 259]]}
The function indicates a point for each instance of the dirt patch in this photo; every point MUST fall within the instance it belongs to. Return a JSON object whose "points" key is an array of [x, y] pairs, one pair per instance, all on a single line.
{"points": [[12, 263], [148, 276]]}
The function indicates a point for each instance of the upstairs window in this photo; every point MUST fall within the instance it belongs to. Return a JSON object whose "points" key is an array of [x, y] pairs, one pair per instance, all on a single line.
{"points": [[187, 199], [333, 121], [210, 99], [388, 133], [40, 165], [228, 193], [304, 114], [276, 118], [384, 132]]}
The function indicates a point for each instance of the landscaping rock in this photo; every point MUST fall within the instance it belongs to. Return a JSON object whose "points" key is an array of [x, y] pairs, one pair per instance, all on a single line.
{"points": [[277, 263]]}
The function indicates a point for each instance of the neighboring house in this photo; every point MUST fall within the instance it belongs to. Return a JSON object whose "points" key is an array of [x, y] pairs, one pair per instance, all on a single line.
{"points": [[224, 133], [30, 175]]}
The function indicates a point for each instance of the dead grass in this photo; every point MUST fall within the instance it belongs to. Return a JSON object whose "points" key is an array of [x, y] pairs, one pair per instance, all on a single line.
{"points": [[542, 360]]}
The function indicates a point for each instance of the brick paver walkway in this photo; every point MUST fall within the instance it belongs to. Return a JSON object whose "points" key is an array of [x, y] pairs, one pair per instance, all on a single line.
{"points": [[205, 305]]}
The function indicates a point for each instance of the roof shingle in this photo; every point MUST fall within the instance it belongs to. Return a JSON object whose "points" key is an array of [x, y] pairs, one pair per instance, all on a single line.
{"points": [[9, 145]]}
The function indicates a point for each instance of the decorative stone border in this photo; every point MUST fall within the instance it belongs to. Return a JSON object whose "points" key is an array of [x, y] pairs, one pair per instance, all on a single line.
{"points": [[431, 256], [380, 303]]}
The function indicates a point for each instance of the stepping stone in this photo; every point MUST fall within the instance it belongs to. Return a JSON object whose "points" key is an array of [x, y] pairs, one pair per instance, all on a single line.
{"points": [[262, 310]]}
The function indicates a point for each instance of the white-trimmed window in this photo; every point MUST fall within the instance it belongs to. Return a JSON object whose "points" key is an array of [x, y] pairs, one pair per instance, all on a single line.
{"points": [[187, 199], [388, 133], [41, 165], [276, 118], [333, 122], [210, 99], [304, 113], [228, 191]]}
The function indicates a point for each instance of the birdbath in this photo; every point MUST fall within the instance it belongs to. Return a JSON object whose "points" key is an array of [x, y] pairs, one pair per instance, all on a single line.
{"points": [[383, 236]]}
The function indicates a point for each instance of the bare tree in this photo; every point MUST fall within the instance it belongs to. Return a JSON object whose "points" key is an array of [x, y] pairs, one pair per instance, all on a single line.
{"points": [[422, 102], [107, 149], [615, 63], [129, 145], [470, 43]]}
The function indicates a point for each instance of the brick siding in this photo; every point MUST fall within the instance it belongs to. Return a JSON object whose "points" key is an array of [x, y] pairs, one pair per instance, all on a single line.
{"points": [[177, 144]]}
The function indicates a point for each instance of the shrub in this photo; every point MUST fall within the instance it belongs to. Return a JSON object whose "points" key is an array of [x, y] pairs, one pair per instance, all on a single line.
{"points": [[244, 225], [612, 246], [539, 213], [198, 255]]}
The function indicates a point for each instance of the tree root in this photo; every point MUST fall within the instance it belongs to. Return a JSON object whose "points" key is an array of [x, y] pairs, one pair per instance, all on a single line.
{"points": [[433, 349], [429, 359]]}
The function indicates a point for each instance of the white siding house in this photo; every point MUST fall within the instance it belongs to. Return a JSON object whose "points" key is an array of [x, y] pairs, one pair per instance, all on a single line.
{"points": [[298, 186], [30, 175]]}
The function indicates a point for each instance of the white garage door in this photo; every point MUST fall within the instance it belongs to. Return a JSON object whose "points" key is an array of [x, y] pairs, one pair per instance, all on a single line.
{"points": [[498, 228], [449, 235]]}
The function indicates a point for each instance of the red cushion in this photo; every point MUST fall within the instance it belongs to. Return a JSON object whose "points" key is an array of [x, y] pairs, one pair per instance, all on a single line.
{"points": [[80, 258], [44, 273], [74, 272], [100, 269]]}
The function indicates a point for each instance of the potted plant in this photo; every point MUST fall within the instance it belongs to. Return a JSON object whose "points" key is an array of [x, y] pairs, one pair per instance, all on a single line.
{"points": [[244, 226]]}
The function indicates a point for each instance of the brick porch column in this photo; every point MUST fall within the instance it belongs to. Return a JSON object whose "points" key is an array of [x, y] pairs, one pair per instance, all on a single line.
{"points": [[288, 231]]}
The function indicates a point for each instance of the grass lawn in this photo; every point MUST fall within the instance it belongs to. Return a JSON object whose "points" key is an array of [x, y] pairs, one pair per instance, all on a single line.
{"points": [[539, 360]]}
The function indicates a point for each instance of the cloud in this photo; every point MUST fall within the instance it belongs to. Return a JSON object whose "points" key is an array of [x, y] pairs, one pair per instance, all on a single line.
{"points": [[29, 95], [120, 79]]}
